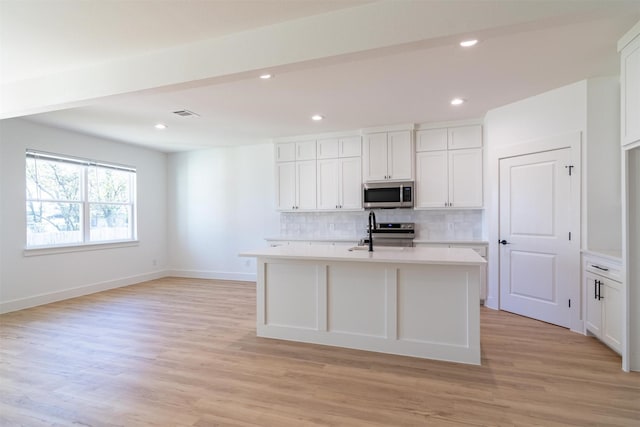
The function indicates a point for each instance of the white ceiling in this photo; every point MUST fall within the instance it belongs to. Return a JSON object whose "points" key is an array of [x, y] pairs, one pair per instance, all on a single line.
{"points": [[401, 84]]}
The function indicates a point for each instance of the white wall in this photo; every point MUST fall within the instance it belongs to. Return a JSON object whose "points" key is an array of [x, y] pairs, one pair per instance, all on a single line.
{"points": [[590, 107], [603, 194], [33, 280], [221, 202], [556, 112]]}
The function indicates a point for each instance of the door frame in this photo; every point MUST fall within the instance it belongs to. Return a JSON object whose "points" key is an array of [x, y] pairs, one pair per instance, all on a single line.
{"points": [[573, 141]]}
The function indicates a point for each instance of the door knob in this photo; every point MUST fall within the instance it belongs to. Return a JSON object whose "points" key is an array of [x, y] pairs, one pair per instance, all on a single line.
{"points": [[503, 242]]}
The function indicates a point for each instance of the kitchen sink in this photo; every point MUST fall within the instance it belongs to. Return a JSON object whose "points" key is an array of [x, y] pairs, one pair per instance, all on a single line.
{"points": [[377, 248]]}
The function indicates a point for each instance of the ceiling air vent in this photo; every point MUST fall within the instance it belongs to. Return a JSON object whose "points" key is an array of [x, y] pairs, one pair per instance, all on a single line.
{"points": [[186, 113]]}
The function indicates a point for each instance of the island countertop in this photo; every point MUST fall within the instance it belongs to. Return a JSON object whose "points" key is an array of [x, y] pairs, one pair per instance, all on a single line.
{"points": [[381, 254]]}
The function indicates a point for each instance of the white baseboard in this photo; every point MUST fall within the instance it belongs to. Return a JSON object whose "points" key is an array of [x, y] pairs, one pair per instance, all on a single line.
{"points": [[22, 303], [218, 275]]}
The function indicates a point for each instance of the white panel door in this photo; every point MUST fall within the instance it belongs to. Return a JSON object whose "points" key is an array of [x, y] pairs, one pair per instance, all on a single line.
{"points": [[399, 161], [306, 184], [351, 147], [350, 183], [375, 157], [328, 148], [465, 178], [286, 189], [431, 179], [536, 268], [328, 177]]}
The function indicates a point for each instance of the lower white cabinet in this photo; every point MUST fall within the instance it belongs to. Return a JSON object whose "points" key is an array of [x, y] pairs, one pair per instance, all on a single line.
{"points": [[340, 184], [604, 299]]}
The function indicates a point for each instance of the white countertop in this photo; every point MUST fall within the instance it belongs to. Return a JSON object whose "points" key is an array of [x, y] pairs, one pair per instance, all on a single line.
{"points": [[313, 239], [451, 256]]}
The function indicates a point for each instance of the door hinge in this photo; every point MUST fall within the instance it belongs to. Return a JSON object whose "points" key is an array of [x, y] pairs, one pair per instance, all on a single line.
{"points": [[569, 235], [569, 167], [569, 302]]}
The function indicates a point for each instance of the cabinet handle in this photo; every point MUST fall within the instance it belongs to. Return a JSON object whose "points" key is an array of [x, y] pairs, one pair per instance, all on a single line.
{"points": [[600, 290], [595, 289], [599, 268]]}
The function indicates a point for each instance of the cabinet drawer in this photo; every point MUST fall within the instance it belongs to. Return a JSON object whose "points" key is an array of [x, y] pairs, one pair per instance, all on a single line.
{"points": [[604, 270]]}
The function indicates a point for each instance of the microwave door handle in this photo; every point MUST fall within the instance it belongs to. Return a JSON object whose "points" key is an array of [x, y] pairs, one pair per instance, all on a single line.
{"points": [[401, 194]]}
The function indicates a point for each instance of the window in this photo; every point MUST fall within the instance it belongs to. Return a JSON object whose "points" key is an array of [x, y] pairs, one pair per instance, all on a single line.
{"points": [[73, 201]]}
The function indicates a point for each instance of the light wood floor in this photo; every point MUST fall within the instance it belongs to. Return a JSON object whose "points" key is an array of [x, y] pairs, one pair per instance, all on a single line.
{"points": [[183, 352]]}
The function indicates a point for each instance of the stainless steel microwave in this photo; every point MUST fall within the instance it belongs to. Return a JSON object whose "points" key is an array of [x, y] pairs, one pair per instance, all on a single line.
{"points": [[388, 195]]}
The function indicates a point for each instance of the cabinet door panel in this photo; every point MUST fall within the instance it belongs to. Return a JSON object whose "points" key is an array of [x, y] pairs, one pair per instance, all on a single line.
{"points": [[351, 147], [328, 198], [305, 150], [431, 140], [630, 79], [285, 151], [465, 178], [350, 183], [375, 157], [612, 312], [306, 184], [286, 185], [328, 148], [399, 162], [432, 181], [593, 306], [465, 137]]}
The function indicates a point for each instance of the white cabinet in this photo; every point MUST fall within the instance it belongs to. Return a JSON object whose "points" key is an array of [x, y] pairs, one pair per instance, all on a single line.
{"points": [[339, 174], [604, 301], [295, 175], [296, 185], [388, 156], [290, 151], [449, 179], [449, 167], [453, 138], [339, 147], [630, 90], [339, 184]]}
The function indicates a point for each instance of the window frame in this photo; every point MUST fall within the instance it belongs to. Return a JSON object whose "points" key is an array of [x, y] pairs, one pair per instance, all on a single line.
{"points": [[85, 215]]}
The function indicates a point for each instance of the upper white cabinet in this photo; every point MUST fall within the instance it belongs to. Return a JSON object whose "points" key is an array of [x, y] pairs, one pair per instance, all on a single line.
{"points": [[334, 148], [449, 138], [339, 174], [291, 151], [449, 167], [630, 90], [295, 175], [388, 156]]}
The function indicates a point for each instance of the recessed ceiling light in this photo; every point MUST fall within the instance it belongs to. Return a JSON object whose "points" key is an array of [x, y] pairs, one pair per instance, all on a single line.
{"points": [[457, 101], [265, 76], [468, 43], [317, 117], [160, 126]]}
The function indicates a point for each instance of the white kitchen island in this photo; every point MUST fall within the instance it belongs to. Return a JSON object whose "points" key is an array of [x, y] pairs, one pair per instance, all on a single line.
{"points": [[421, 302]]}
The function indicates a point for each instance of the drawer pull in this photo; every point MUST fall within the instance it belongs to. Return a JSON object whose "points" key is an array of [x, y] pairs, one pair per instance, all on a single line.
{"points": [[599, 268]]}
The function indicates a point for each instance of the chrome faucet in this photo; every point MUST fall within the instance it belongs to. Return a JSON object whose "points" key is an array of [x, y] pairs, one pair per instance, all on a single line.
{"points": [[372, 225]]}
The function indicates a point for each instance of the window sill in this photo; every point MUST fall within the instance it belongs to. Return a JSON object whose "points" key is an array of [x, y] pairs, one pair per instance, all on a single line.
{"points": [[51, 250]]}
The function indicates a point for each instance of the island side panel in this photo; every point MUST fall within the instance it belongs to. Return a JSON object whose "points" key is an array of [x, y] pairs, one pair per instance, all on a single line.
{"points": [[389, 308]]}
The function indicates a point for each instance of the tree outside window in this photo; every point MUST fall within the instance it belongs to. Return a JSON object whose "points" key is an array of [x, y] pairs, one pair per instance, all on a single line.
{"points": [[71, 201]]}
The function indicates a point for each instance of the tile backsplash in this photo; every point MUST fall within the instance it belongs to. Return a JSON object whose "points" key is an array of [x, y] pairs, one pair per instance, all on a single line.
{"points": [[430, 224]]}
